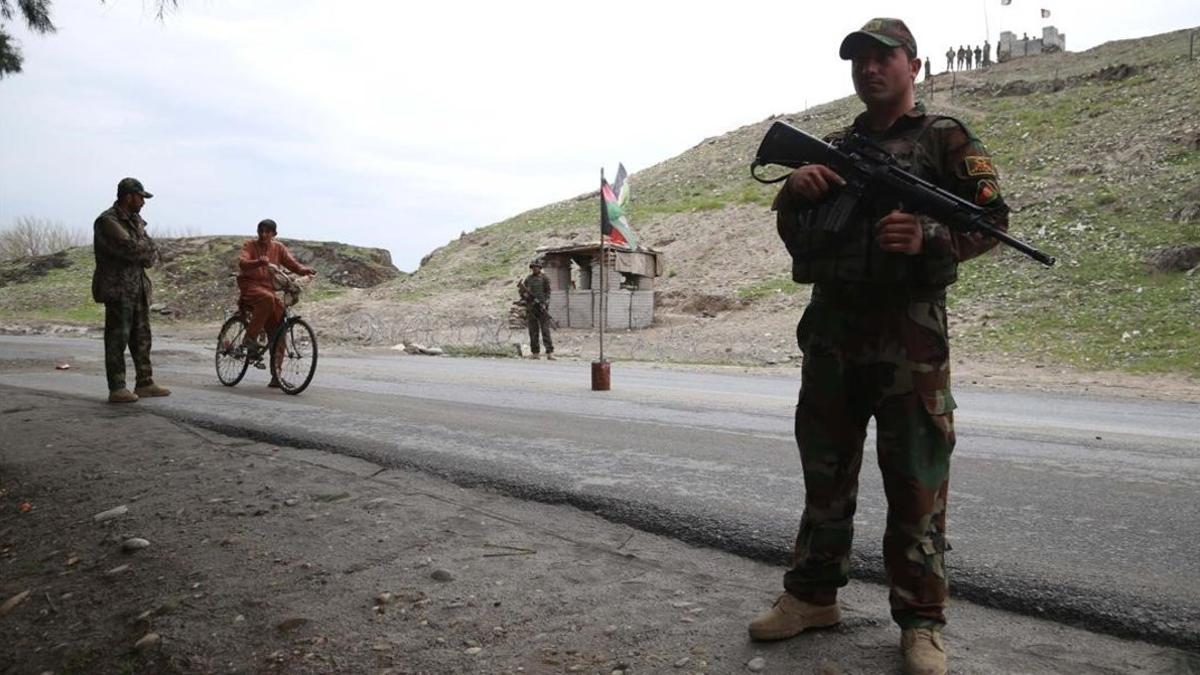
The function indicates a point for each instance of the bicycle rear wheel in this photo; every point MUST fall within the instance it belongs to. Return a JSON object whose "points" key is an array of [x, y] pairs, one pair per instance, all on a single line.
{"points": [[295, 361], [231, 354]]}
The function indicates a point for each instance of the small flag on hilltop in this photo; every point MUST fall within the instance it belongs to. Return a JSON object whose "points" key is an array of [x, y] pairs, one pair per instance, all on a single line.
{"points": [[614, 226], [1045, 14]]}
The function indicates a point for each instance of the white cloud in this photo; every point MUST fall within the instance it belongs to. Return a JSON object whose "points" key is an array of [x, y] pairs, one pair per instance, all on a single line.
{"points": [[402, 124]]}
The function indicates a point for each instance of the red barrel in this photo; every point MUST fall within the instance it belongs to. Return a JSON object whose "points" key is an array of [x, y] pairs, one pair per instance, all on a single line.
{"points": [[601, 376]]}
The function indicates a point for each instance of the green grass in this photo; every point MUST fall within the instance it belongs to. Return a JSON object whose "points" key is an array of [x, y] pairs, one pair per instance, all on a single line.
{"points": [[327, 292], [767, 288], [688, 204]]}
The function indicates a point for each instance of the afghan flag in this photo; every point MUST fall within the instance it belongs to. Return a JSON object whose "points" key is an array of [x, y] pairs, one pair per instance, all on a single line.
{"points": [[614, 199]]}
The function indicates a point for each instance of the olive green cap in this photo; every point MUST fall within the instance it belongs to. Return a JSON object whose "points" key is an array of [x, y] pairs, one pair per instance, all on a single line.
{"points": [[132, 185], [884, 31]]}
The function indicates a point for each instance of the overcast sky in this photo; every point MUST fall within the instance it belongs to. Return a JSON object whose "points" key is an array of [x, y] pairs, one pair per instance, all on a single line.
{"points": [[399, 125]]}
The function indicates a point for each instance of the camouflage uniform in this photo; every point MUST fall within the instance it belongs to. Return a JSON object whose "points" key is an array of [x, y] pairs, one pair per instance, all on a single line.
{"points": [[880, 348], [123, 250], [537, 313]]}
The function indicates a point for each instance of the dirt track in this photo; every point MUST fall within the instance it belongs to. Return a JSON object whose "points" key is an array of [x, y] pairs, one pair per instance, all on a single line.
{"points": [[267, 559]]}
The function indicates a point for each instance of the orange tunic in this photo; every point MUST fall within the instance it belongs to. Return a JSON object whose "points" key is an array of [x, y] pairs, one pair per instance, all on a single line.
{"points": [[257, 287]]}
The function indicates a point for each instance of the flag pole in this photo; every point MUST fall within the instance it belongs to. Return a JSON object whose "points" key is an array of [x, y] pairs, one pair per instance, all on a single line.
{"points": [[603, 264], [987, 31], [600, 369]]}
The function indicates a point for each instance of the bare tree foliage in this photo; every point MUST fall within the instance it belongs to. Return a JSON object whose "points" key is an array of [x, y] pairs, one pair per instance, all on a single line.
{"points": [[37, 17], [29, 236]]}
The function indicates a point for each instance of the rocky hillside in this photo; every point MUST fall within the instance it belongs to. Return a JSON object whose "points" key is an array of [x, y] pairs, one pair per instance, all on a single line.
{"points": [[193, 280], [1100, 158]]}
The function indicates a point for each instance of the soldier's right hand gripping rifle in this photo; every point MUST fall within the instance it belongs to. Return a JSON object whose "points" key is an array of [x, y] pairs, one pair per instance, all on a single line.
{"points": [[535, 305], [868, 168]]}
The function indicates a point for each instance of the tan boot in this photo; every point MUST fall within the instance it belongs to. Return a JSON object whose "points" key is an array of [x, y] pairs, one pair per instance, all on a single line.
{"points": [[550, 357], [148, 390], [121, 396], [924, 652], [790, 616]]}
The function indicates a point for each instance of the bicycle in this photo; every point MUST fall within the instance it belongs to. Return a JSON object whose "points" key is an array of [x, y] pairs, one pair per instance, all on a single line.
{"points": [[292, 346]]}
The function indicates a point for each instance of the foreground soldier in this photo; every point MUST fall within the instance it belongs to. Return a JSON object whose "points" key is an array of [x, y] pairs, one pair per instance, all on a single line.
{"points": [[257, 286], [123, 250], [875, 344], [535, 291]]}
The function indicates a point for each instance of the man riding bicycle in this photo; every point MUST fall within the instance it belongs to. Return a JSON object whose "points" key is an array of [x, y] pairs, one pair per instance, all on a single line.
{"points": [[256, 264]]}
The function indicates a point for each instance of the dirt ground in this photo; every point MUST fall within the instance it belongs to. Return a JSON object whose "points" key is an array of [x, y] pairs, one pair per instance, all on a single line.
{"points": [[264, 559]]}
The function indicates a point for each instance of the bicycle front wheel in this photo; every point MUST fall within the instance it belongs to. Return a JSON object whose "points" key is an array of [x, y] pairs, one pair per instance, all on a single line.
{"points": [[294, 362], [231, 354]]}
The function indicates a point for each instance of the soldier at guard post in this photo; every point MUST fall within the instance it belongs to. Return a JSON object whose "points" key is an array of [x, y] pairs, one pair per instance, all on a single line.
{"points": [[535, 291]]}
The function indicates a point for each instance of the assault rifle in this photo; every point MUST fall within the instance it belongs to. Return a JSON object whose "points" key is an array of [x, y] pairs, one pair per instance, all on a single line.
{"points": [[866, 167], [533, 304]]}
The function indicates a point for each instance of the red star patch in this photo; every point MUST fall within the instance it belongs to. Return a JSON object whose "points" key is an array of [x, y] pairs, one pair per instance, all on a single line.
{"points": [[978, 165]]}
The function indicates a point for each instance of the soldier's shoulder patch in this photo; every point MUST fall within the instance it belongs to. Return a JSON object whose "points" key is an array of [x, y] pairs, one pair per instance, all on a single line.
{"points": [[980, 165], [986, 192]]}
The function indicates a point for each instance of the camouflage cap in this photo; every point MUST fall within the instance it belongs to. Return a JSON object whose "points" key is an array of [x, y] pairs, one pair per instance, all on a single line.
{"points": [[536, 262], [132, 185], [887, 32]]}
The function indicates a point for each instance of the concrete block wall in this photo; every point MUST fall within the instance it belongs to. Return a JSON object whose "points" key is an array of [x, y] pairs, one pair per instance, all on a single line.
{"points": [[582, 312], [558, 308], [581, 309], [641, 309], [617, 309]]}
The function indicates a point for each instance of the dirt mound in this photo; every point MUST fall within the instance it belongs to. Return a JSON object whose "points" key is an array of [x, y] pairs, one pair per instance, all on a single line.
{"points": [[349, 266], [1173, 259], [195, 275], [1113, 73], [704, 304], [1190, 140], [27, 269], [1189, 207]]}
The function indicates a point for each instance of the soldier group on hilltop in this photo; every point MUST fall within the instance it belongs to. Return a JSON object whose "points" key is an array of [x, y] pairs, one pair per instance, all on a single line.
{"points": [[965, 58]]}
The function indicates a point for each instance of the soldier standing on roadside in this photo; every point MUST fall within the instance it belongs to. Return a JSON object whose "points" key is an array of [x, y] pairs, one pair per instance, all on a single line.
{"points": [[875, 344], [950, 59], [123, 250], [978, 57], [535, 291]]}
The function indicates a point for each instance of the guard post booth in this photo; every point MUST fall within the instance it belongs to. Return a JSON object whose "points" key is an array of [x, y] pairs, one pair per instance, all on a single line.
{"points": [[575, 292]]}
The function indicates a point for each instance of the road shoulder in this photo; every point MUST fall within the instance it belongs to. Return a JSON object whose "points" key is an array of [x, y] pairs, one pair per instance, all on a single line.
{"points": [[265, 558]]}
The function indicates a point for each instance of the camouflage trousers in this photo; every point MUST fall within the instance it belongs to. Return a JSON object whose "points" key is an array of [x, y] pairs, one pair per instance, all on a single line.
{"points": [[890, 363], [127, 323], [539, 322]]}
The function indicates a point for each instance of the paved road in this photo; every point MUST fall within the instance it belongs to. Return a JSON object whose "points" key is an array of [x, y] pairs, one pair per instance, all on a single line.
{"points": [[1079, 509]]}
